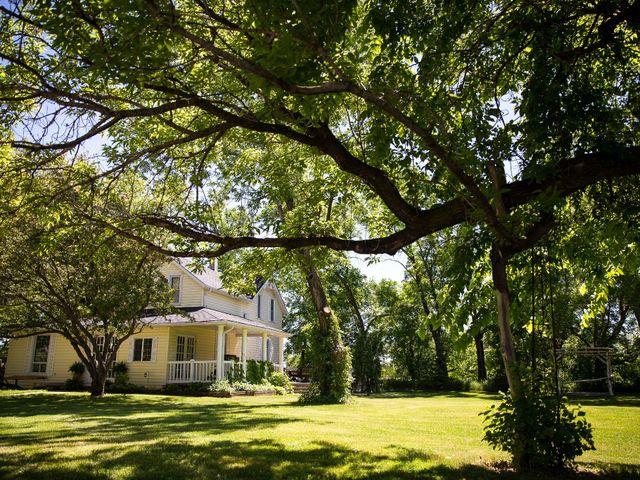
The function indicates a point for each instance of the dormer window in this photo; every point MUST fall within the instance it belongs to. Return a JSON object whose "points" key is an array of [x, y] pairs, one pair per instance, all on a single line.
{"points": [[174, 283]]}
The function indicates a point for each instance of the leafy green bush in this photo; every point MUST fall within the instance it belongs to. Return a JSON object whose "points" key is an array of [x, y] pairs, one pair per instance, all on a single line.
{"points": [[235, 373], [73, 385], [125, 388], [397, 385], [258, 371], [403, 385], [252, 387], [279, 390], [537, 431], [120, 373], [77, 369], [280, 379], [198, 387], [244, 387], [173, 388]]}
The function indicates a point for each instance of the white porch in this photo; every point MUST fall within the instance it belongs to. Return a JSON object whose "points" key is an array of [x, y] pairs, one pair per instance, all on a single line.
{"points": [[183, 370]]}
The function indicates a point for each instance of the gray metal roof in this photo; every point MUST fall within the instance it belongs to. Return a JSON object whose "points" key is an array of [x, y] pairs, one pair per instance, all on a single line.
{"points": [[208, 276], [203, 315]]}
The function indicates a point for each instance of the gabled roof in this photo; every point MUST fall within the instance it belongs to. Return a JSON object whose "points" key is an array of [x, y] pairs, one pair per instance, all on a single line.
{"points": [[210, 280], [270, 284]]}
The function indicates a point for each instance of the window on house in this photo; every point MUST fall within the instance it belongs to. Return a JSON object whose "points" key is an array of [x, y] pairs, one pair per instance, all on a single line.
{"points": [[272, 311], [259, 306], [174, 282], [142, 349], [100, 343], [185, 348], [41, 354]]}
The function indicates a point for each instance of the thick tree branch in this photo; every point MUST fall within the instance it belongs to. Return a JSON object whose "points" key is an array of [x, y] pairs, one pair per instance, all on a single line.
{"points": [[572, 175]]}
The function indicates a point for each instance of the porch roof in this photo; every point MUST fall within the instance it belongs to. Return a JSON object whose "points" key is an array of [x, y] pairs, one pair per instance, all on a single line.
{"points": [[208, 316]]}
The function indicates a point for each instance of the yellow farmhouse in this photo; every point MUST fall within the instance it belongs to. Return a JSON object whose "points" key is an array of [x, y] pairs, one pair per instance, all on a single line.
{"points": [[219, 329]]}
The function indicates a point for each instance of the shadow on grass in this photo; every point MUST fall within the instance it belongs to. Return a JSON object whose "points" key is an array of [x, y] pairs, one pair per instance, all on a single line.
{"points": [[130, 419], [269, 460], [164, 437], [429, 394], [605, 401], [617, 401]]}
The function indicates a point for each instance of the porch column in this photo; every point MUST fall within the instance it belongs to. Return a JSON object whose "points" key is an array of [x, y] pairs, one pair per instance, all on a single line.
{"points": [[281, 353], [220, 346], [264, 347], [243, 352]]}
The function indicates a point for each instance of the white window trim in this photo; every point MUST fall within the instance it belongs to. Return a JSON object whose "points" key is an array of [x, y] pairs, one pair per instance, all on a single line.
{"points": [[154, 348], [185, 346], [32, 350], [171, 277]]}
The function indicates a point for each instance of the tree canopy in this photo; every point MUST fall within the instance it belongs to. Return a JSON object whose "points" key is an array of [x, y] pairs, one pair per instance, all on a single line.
{"points": [[353, 125], [438, 118], [62, 275]]}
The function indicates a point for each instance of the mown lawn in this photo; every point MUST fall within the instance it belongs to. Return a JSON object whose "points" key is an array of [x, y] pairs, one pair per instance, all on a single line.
{"points": [[70, 436]]}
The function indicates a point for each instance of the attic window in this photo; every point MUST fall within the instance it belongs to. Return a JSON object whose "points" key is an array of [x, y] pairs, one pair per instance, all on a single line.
{"points": [[174, 283], [272, 311]]}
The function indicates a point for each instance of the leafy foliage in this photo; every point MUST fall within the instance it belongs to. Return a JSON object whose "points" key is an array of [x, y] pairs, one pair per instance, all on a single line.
{"points": [[280, 379], [551, 434], [330, 365], [67, 276], [258, 371]]}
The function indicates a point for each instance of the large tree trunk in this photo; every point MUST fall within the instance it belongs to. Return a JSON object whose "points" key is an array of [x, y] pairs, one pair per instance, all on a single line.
{"points": [[98, 374], [499, 273], [441, 354], [500, 285], [330, 359], [482, 368]]}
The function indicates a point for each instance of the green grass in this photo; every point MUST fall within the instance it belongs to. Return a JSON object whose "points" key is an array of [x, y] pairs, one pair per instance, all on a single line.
{"points": [[18, 392], [70, 436]]}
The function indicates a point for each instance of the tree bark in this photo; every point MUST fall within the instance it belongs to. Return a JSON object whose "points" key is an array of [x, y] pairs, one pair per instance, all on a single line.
{"points": [[98, 385], [482, 368], [330, 360], [98, 375], [316, 290], [441, 353], [500, 285]]}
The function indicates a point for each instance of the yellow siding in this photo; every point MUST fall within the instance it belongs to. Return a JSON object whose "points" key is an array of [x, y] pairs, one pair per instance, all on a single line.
{"points": [[192, 293], [154, 373], [227, 304], [61, 356], [254, 348], [149, 374], [267, 295], [17, 357], [206, 338]]}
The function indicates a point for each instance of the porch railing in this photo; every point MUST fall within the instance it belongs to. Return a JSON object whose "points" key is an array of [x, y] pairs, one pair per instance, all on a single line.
{"points": [[196, 371]]}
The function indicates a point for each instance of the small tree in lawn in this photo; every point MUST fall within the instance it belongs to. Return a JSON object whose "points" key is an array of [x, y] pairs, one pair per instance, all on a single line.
{"points": [[74, 279]]}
